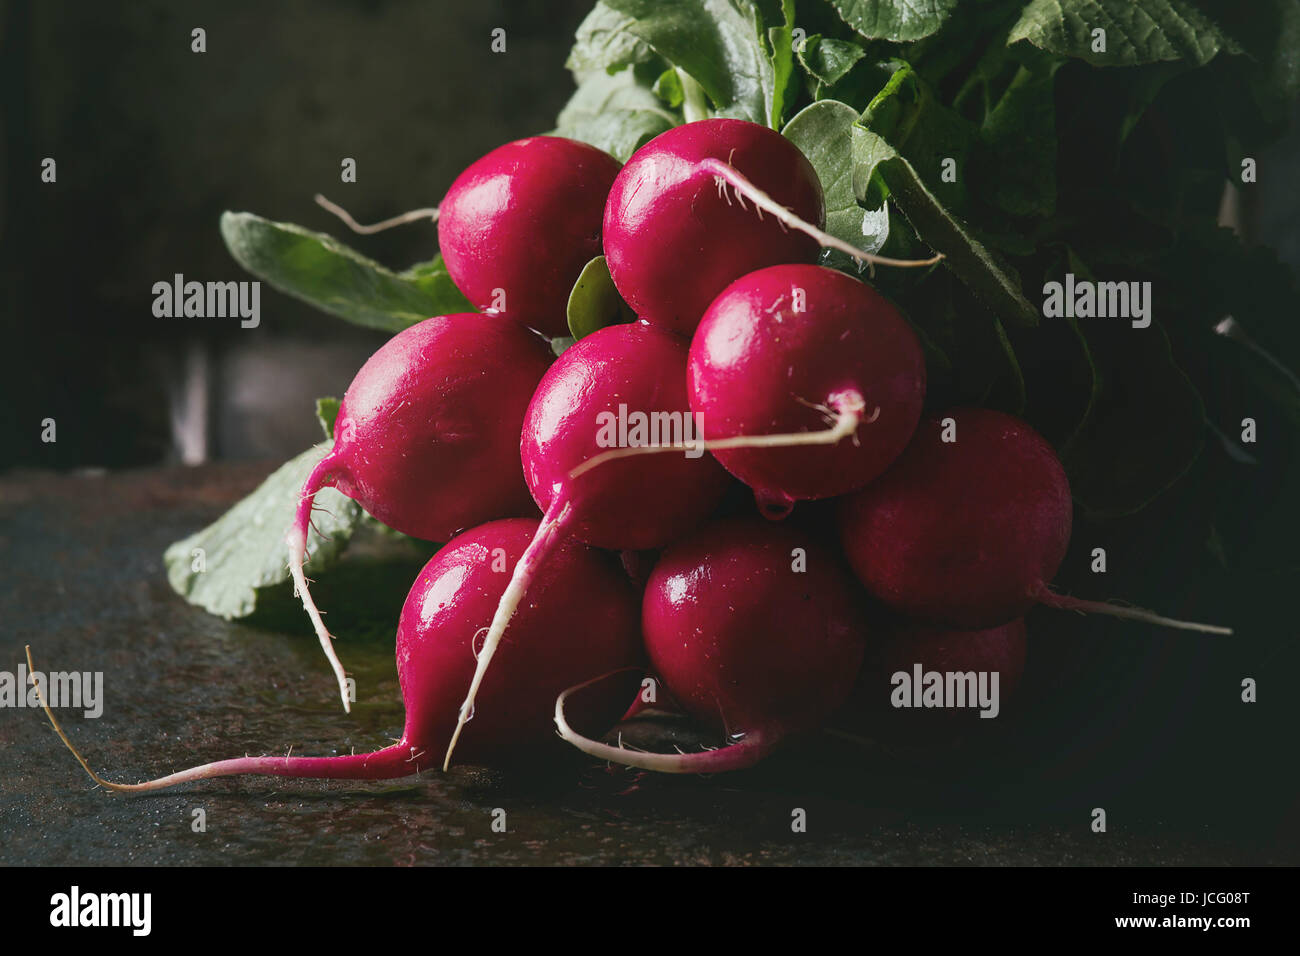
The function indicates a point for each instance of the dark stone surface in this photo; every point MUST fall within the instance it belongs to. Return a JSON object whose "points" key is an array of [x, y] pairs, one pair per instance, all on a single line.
{"points": [[81, 580]]}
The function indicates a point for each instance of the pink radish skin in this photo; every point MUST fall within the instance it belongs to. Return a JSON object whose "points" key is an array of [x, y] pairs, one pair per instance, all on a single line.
{"points": [[758, 366], [580, 622], [964, 534], [424, 436], [523, 221], [673, 241], [625, 505], [746, 644], [632, 505], [968, 534]]}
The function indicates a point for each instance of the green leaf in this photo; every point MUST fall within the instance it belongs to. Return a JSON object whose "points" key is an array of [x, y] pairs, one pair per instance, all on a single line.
{"points": [[614, 113], [829, 61], [594, 302], [327, 411], [244, 551], [1018, 167], [604, 43], [909, 116], [1269, 34], [781, 39], [323, 272], [896, 20], [996, 285], [560, 343], [1136, 31], [720, 43], [669, 88], [823, 133]]}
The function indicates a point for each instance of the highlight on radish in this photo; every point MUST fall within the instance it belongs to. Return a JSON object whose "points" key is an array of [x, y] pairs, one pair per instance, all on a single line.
{"points": [[808, 384], [580, 622], [701, 205], [633, 505], [425, 438], [969, 526], [758, 633], [516, 228], [490, 218]]}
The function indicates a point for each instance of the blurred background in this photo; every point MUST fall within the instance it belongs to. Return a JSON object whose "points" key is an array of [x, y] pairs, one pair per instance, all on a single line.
{"points": [[152, 142]]}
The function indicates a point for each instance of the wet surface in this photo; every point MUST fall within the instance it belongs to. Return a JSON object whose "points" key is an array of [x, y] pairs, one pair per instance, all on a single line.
{"points": [[81, 580]]}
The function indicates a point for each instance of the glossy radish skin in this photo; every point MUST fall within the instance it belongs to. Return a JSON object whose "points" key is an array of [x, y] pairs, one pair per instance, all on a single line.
{"points": [[627, 505], [525, 219], [580, 622], [636, 503], [424, 438], [673, 240], [964, 534], [786, 338], [746, 644]]}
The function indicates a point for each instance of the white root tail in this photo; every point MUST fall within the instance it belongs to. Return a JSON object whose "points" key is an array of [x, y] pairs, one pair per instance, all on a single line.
{"points": [[415, 215], [724, 173], [738, 756], [300, 590], [1066, 603], [844, 423], [549, 534], [297, 541]]}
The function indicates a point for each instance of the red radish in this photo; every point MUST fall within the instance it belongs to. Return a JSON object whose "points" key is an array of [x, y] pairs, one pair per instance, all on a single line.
{"points": [[619, 370], [674, 235], [747, 644], [517, 226], [424, 438], [778, 345], [968, 532], [580, 622], [781, 354]]}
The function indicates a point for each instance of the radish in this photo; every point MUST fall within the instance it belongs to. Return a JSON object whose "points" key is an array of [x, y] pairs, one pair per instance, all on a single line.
{"points": [[674, 237], [785, 352], [618, 370], [746, 642], [580, 622], [516, 228], [969, 526], [424, 439]]}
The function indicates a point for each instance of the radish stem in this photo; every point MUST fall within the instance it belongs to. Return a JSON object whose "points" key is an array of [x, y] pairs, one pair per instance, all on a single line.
{"points": [[398, 760], [415, 215], [297, 541], [1067, 603], [725, 175], [845, 423], [733, 757], [550, 533]]}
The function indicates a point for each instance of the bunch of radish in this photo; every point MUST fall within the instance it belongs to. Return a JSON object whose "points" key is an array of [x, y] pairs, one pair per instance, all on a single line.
{"points": [[806, 385]]}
